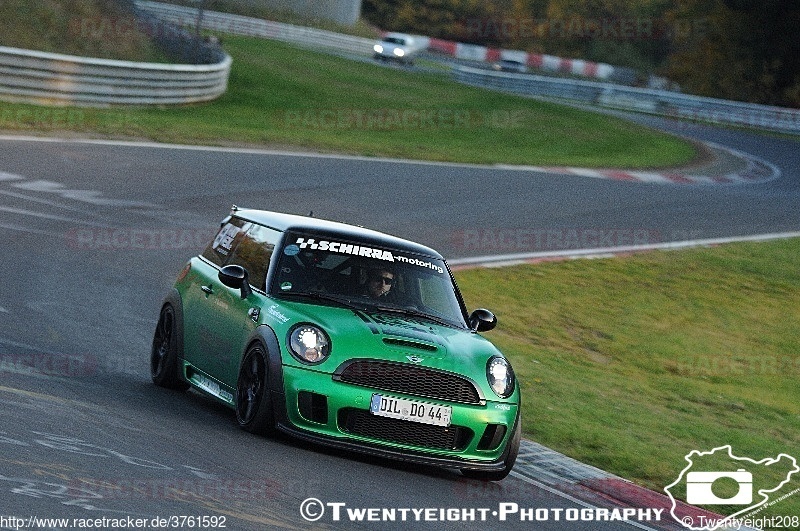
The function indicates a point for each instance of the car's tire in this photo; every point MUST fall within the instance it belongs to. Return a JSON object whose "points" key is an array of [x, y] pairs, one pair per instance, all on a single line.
{"points": [[510, 458], [254, 411], [164, 363]]}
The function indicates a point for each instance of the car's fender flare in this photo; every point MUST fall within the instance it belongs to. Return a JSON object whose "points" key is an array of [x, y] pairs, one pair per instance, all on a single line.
{"points": [[265, 335], [174, 299]]}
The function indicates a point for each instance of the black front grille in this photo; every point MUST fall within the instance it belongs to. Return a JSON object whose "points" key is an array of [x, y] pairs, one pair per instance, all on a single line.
{"points": [[410, 380], [363, 423]]}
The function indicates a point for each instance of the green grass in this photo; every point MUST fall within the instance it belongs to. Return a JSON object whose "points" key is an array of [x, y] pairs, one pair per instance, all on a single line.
{"points": [[630, 363], [282, 96], [90, 28]]}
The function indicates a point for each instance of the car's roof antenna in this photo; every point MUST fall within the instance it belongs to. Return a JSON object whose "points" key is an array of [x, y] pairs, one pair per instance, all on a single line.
{"points": [[311, 214]]}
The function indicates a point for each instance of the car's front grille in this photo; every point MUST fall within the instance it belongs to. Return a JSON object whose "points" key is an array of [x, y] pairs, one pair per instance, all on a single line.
{"points": [[410, 380], [363, 423]]}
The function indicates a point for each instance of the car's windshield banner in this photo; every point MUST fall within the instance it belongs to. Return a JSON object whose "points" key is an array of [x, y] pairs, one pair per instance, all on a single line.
{"points": [[358, 250], [344, 248]]}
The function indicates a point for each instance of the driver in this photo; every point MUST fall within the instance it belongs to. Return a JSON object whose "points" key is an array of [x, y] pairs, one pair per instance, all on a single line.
{"points": [[379, 282]]}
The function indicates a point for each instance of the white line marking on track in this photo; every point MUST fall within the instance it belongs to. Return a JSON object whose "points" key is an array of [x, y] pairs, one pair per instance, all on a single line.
{"points": [[501, 260], [33, 199], [25, 212], [93, 197], [21, 228], [5, 176]]}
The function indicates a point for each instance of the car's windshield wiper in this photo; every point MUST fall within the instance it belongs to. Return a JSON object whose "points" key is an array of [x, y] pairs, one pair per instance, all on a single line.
{"points": [[343, 301], [415, 313]]}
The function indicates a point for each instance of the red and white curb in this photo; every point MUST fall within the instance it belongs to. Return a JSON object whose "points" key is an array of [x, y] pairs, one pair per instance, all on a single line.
{"points": [[474, 52], [591, 487], [756, 170]]}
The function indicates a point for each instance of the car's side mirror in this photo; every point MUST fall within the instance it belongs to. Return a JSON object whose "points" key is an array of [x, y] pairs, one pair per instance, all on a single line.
{"points": [[482, 320], [235, 277]]}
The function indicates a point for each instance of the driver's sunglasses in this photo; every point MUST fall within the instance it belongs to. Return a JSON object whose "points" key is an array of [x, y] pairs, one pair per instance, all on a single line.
{"points": [[386, 280]]}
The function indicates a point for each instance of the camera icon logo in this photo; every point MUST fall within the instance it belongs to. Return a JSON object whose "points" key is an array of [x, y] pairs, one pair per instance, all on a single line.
{"points": [[699, 491]]}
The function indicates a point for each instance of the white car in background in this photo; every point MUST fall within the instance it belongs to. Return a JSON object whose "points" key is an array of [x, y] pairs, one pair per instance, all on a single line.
{"points": [[510, 65], [396, 47]]}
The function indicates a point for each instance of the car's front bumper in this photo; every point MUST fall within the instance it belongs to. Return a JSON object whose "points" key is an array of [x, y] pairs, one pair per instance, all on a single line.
{"points": [[313, 406]]}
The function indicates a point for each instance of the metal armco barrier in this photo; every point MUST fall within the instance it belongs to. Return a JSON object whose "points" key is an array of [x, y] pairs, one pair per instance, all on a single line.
{"points": [[659, 102], [49, 78], [255, 27]]}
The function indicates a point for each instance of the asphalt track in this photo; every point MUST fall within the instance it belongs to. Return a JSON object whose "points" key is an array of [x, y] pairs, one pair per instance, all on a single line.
{"points": [[93, 234]]}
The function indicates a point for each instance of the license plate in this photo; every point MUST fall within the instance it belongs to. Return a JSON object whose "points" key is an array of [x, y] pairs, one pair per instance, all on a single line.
{"points": [[400, 408]]}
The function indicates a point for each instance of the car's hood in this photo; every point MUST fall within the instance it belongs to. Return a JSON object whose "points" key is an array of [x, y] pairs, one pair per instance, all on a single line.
{"points": [[385, 335]]}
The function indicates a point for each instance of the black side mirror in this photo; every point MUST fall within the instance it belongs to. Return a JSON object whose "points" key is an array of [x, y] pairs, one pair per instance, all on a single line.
{"points": [[482, 320], [235, 277]]}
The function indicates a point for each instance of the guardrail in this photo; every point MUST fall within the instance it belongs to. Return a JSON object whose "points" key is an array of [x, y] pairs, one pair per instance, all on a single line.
{"points": [[659, 102], [255, 27], [52, 78]]}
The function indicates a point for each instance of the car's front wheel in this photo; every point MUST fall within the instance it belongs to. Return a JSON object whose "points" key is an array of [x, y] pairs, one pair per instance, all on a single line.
{"points": [[253, 404], [510, 458], [164, 363]]}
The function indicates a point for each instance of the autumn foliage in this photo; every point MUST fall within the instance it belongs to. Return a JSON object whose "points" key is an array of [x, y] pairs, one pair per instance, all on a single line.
{"points": [[733, 49]]}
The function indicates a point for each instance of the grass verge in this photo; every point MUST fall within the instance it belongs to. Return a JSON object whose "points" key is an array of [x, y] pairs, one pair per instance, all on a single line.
{"points": [[628, 364], [89, 28], [283, 96]]}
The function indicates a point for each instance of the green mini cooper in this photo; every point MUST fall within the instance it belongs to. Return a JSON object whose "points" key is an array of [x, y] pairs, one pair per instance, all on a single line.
{"points": [[342, 336]]}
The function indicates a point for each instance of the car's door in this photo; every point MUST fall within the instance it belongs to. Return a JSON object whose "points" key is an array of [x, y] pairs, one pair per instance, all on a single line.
{"points": [[208, 319], [253, 253], [217, 321]]}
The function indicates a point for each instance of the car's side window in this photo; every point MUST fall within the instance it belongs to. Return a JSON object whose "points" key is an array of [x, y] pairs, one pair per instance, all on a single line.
{"points": [[254, 251], [226, 240]]}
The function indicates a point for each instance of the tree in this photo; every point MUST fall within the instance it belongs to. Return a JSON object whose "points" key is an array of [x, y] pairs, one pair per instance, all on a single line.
{"points": [[738, 50]]}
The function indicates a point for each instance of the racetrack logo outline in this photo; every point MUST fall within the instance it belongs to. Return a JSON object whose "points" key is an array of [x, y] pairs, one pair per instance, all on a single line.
{"points": [[711, 525]]}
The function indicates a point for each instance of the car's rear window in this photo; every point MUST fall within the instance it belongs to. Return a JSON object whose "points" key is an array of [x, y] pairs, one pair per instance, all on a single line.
{"points": [[246, 244]]}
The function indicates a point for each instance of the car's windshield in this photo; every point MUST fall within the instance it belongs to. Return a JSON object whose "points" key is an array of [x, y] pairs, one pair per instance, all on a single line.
{"points": [[366, 276], [395, 40]]}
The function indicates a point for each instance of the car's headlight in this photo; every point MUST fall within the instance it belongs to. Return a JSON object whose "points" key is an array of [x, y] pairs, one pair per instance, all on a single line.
{"points": [[500, 376], [399, 52], [309, 343], [378, 48]]}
